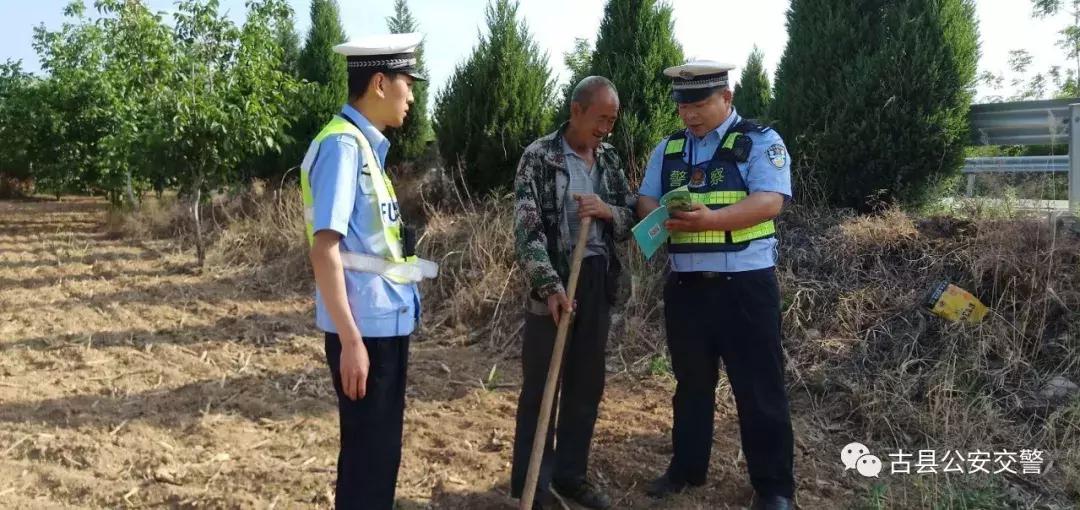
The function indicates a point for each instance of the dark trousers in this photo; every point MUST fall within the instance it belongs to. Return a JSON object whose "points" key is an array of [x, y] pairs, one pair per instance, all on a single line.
{"points": [[566, 452], [370, 427], [734, 317]]}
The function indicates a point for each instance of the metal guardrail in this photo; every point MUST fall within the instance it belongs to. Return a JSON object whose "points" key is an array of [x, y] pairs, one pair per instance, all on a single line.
{"points": [[1021, 123], [1048, 122], [1017, 164]]}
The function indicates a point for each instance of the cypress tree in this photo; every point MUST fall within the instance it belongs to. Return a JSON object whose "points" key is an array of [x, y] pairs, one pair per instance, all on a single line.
{"points": [[636, 43], [289, 42], [888, 121], [320, 65], [753, 93], [408, 141], [497, 102]]}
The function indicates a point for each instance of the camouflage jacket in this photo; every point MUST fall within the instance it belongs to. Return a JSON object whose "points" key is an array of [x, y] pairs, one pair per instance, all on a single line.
{"points": [[542, 237]]}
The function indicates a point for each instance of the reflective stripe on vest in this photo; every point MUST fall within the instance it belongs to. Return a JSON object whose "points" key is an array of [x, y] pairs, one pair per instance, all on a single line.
{"points": [[720, 240], [723, 198], [386, 239]]}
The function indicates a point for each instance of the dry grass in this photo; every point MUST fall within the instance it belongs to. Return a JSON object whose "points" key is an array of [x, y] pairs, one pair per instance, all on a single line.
{"points": [[871, 358], [157, 218], [267, 240], [478, 292], [866, 361], [259, 232]]}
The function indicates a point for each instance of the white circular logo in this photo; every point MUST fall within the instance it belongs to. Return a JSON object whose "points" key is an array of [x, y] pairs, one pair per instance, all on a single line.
{"points": [[869, 466], [851, 453]]}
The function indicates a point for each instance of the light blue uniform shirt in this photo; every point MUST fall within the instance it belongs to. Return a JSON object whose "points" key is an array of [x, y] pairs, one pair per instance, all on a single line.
{"points": [[760, 172], [343, 197]]}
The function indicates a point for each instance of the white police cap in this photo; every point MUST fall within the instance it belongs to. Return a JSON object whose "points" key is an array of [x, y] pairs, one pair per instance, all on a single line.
{"points": [[394, 53], [697, 79]]}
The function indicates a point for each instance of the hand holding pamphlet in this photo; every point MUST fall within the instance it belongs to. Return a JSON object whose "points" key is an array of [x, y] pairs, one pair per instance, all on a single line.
{"points": [[650, 233]]}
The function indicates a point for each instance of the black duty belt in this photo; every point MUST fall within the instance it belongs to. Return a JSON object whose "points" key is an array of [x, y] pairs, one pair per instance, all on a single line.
{"points": [[714, 276]]}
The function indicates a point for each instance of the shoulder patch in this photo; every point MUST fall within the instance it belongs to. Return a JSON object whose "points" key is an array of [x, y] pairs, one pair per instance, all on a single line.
{"points": [[777, 155]]}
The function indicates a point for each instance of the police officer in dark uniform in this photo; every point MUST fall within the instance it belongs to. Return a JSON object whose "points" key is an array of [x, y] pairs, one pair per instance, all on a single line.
{"points": [[721, 300]]}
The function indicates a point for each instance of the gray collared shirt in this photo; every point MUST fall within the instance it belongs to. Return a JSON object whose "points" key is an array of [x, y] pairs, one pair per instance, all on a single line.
{"points": [[584, 179]]}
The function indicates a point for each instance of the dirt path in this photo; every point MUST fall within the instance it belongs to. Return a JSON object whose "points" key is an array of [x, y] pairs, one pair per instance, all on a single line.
{"points": [[128, 380]]}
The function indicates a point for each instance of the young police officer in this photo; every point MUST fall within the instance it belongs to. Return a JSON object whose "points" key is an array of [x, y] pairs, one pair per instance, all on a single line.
{"points": [[366, 300]]}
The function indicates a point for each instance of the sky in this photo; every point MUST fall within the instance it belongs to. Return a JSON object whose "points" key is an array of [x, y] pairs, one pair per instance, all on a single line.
{"points": [[723, 30]]}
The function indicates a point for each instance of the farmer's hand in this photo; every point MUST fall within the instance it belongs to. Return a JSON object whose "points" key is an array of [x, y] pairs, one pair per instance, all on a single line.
{"points": [[558, 304]]}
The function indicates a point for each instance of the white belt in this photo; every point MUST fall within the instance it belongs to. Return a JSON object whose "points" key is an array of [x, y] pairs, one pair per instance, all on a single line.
{"points": [[410, 271]]}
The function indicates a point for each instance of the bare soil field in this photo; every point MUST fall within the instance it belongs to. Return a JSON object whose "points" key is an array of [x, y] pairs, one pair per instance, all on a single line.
{"points": [[128, 379]]}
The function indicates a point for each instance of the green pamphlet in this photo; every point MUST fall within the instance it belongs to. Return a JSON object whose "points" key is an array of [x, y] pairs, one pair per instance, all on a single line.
{"points": [[650, 232], [678, 199]]}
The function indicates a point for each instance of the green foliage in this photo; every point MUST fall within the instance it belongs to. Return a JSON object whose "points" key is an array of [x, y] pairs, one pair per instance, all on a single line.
{"points": [[497, 102], [138, 50], [875, 497], [753, 93], [229, 98], [1066, 86], [73, 114], [287, 39], [1059, 81], [636, 43], [324, 69], [1023, 86], [318, 62], [409, 141], [659, 365], [18, 91], [579, 61], [859, 138], [1043, 8], [987, 497], [130, 102], [274, 165]]}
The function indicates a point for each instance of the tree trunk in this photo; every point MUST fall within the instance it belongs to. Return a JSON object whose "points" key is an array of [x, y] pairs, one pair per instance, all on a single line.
{"points": [[132, 202], [200, 249]]}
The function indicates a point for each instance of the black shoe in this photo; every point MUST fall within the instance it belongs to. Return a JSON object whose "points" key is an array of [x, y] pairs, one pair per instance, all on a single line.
{"points": [[664, 486], [772, 503], [583, 493]]}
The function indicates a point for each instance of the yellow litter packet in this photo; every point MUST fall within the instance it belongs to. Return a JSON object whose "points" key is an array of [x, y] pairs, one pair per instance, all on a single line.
{"points": [[955, 304]]}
